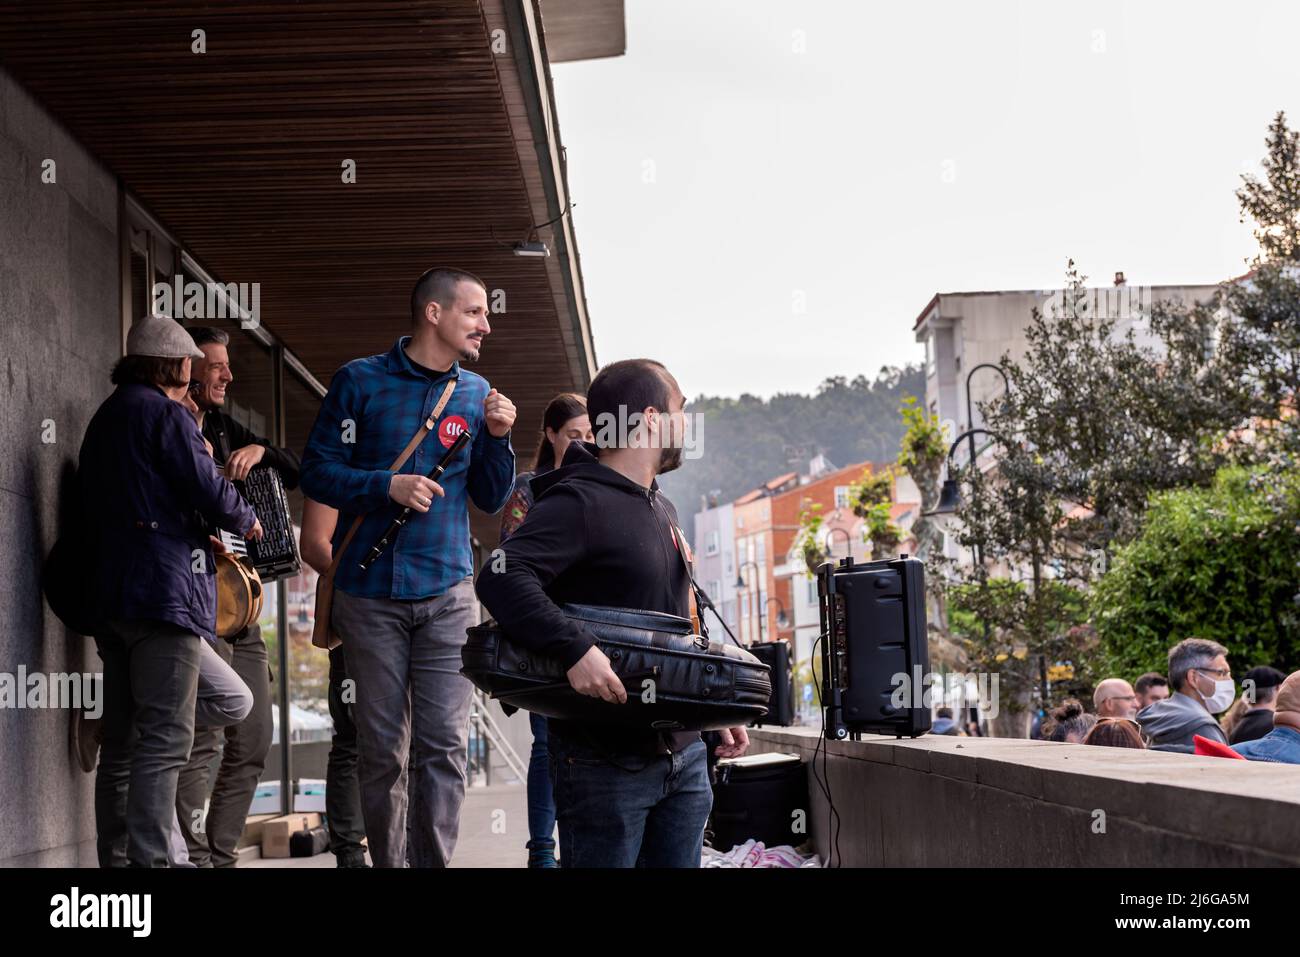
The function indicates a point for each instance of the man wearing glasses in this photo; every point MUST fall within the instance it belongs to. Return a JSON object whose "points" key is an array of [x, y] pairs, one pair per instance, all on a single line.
{"points": [[1115, 698], [1203, 687]]}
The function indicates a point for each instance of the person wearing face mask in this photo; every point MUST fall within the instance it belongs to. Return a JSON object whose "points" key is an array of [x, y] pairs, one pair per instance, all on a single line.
{"points": [[601, 533], [1203, 687]]}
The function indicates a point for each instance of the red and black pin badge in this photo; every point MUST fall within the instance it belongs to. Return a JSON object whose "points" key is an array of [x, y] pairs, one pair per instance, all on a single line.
{"points": [[449, 430]]}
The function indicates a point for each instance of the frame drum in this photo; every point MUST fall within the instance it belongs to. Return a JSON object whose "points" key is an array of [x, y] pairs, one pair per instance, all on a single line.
{"points": [[239, 594]]}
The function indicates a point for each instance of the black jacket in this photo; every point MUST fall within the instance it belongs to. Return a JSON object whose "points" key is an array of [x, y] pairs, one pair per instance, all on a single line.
{"points": [[150, 492], [1254, 724], [227, 436], [591, 537]]}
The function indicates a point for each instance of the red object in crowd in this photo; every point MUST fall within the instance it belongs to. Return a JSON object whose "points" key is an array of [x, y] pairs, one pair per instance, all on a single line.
{"points": [[1213, 748]]}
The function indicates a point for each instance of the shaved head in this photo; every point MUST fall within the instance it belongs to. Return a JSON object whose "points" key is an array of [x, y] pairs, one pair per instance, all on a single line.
{"points": [[1114, 698]]}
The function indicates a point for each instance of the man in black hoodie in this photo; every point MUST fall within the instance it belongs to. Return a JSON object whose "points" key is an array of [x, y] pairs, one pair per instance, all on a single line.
{"points": [[601, 533]]}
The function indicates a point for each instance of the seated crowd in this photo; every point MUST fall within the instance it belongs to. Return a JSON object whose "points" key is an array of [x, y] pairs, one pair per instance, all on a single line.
{"points": [[1178, 713]]}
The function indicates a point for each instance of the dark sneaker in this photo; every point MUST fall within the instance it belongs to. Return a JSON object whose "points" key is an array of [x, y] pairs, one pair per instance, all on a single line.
{"points": [[542, 854]]}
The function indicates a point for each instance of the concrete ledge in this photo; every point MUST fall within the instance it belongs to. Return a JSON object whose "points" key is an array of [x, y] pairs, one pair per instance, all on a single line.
{"points": [[990, 802]]}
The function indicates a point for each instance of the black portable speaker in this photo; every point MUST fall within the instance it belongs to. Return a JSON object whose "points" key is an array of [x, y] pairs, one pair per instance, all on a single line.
{"points": [[776, 655], [761, 797], [874, 649]]}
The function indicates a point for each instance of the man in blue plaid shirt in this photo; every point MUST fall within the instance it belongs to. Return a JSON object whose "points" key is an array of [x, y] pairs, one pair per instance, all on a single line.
{"points": [[403, 620]]}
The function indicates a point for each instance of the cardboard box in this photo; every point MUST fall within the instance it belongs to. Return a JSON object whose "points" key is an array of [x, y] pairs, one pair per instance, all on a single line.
{"points": [[252, 835], [266, 799], [277, 831], [309, 795]]}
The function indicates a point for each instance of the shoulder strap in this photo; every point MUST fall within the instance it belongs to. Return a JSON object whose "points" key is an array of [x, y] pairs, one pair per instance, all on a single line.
{"points": [[425, 428]]}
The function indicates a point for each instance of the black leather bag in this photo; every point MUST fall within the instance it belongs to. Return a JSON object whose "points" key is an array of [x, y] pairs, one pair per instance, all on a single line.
{"points": [[675, 680], [309, 842]]}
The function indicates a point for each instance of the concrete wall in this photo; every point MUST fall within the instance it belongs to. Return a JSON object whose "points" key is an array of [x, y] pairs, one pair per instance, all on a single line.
{"points": [[988, 802], [60, 331]]}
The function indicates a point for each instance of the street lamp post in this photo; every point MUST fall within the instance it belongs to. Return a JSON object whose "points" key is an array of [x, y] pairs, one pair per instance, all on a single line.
{"points": [[782, 619], [848, 540], [740, 583], [970, 408], [971, 431]]}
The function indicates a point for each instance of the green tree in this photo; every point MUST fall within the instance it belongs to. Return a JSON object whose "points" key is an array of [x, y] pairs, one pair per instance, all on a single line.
{"points": [[871, 499], [1259, 314], [1218, 563], [1273, 204], [1093, 423], [922, 454], [808, 540]]}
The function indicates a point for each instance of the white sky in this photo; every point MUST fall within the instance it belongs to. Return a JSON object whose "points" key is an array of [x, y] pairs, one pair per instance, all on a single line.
{"points": [[913, 148]]}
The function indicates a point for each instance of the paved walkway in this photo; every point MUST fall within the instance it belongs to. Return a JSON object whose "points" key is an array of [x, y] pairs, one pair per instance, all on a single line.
{"points": [[493, 831]]}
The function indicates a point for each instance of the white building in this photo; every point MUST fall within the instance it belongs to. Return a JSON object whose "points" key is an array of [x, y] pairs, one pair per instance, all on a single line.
{"points": [[962, 331], [715, 561]]}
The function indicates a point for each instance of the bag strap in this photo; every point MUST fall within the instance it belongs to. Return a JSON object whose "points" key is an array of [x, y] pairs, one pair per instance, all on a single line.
{"points": [[425, 428]]}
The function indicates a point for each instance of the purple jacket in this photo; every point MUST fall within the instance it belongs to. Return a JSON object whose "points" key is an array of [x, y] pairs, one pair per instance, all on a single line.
{"points": [[148, 486]]}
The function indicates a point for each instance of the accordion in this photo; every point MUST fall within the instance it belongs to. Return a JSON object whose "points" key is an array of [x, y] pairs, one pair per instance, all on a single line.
{"points": [[675, 680], [276, 555]]}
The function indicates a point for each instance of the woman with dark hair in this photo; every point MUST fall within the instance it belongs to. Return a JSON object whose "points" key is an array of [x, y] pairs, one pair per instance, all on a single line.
{"points": [[1069, 723], [565, 421], [1115, 733]]}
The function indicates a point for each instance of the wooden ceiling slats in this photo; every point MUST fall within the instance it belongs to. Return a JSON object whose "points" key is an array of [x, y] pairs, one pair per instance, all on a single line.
{"points": [[238, 151]]}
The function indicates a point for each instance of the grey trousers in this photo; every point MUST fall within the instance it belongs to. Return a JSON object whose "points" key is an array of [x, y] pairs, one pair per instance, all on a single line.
{"points": [[211, 841], [410, 697], [158, 679]]}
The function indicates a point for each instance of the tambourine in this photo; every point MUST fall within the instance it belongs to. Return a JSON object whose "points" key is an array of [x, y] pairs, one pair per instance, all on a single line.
{"points": [[239, 594]]}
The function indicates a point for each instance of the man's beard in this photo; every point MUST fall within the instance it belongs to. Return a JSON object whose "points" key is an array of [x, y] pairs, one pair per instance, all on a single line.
{"points": [[471, 353], [669, 459]]}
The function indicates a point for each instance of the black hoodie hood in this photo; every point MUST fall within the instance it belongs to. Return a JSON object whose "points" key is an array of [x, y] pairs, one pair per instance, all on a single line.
{"points": [[581, 464]]}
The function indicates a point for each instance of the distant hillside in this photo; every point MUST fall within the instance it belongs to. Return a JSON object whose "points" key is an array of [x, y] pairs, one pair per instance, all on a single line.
{"points": [[748, 440]]}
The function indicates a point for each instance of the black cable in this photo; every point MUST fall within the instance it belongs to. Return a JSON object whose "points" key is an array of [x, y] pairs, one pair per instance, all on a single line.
{"points": [[702, 599], [824, 780]]}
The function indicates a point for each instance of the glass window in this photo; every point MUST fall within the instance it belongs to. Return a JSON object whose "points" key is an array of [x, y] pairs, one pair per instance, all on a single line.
{"points": [[308, 674], [141, 302], [841, 496]]}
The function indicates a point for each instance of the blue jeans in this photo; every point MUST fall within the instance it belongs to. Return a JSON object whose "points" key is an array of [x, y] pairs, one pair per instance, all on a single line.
{"points": [[629, 810], [541, 804]]}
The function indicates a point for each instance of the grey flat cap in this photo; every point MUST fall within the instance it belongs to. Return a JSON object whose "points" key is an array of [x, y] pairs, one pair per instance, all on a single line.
{"points": [[161, 337]]}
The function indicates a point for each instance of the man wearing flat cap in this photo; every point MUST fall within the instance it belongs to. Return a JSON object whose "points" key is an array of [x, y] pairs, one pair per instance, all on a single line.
{"points": [[1259, 692], [148, 485]]}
